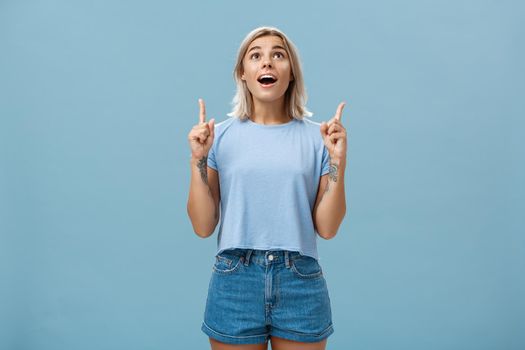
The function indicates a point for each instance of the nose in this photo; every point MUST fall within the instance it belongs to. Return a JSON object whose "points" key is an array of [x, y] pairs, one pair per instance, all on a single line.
{"points": [[267, 62]]}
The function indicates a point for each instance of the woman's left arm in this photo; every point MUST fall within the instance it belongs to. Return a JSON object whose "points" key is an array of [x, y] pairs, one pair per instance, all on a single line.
{"points": [[330, 205]]}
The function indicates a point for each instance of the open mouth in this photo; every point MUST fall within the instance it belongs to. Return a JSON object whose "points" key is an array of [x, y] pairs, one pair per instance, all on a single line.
{"points": [[266, 80]]}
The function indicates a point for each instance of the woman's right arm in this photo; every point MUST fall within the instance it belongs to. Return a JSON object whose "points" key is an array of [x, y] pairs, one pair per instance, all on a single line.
{"points": [[204, 195]]}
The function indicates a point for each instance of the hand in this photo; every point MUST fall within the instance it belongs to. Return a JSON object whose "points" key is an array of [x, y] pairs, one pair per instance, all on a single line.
{"points": [[201, 135], [334, 135]]}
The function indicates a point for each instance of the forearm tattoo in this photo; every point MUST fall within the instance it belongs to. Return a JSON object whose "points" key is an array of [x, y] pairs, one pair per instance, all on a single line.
{"points": [[202, 165], [332, 174]]}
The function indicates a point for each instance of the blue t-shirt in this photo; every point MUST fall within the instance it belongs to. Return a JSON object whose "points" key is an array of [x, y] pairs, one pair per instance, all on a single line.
{"points": [[268, 177]]}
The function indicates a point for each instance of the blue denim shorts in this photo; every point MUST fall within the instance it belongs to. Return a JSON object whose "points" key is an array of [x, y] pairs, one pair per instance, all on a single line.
{"points": [[256, 294]]}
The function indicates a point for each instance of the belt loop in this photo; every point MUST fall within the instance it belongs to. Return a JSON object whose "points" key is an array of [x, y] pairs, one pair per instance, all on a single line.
{"points": [[247, 257], [286, 259]]}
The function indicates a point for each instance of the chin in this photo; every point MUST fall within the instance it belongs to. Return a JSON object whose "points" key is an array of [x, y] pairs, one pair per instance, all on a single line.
{"points": [[269, 96]]}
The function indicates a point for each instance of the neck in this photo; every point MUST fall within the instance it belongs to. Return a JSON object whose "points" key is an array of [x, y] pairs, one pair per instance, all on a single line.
{"points": [[269, 112]]}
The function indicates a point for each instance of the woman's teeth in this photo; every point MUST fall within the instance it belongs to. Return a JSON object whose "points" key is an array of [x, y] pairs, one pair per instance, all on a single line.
{"points": [[267, 79]]}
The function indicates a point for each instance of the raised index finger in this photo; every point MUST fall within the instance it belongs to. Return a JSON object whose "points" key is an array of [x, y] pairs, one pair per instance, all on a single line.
{"points": [[339, 111], [202, 112]]}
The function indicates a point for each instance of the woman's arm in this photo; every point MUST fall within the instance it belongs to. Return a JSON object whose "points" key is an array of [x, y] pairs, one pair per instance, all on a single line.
{"points": [[204, 197], [330, 205]]}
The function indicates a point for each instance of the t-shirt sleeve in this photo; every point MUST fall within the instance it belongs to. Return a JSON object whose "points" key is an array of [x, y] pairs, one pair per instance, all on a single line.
{"points": [[325, 162]]}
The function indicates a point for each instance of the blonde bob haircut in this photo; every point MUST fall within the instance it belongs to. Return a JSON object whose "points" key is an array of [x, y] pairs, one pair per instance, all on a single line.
{"points": [[295, 96]]}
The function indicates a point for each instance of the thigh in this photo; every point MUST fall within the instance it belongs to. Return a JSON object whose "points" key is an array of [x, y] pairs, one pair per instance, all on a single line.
{"points": [[217, 345], [285, 344]]}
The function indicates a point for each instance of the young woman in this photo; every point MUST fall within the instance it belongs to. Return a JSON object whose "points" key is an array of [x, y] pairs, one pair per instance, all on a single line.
{"points": [[277, 180]]}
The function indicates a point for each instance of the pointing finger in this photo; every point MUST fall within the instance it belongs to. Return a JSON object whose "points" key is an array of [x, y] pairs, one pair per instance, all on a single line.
{"points": [[339, 111], [202, 112]]}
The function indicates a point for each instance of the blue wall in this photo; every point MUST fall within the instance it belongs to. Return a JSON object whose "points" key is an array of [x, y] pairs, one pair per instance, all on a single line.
{"points": [[97, 99]]}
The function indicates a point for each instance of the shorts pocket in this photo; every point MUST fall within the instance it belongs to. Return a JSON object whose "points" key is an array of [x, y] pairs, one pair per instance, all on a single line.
{"points": [[306, 267], [226, 263]]}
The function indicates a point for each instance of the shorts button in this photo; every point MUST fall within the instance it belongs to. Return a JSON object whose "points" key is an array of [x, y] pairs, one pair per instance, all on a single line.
{"points": [[270, 257]]}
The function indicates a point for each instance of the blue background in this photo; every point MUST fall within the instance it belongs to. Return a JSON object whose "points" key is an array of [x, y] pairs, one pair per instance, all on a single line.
{"points": [[96, 102]]}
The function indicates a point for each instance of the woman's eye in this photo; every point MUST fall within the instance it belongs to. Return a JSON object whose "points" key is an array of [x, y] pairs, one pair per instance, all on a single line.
{"points": [[254, 55], [279, 55]]}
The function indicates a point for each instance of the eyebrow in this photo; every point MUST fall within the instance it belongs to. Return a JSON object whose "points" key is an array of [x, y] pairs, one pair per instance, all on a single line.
{"points": [[275, 47]]}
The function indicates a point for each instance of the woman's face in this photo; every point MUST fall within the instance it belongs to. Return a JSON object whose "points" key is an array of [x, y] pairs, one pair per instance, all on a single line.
{"points": [[267, 69]]}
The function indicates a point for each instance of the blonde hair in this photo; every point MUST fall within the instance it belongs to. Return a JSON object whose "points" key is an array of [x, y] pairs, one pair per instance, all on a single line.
{"points": [[295, 96]]}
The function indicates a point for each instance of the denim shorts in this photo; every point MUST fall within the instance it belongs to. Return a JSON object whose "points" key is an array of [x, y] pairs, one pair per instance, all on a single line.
{"points": [[256, 294]]}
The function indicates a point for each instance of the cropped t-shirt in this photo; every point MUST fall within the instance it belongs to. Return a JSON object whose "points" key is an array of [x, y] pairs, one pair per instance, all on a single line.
{"points": [[268, 177]]}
